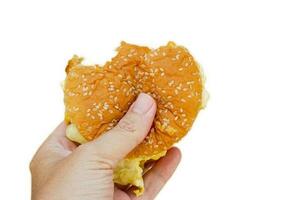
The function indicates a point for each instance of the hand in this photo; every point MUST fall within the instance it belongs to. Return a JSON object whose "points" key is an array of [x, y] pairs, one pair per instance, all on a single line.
{"points": [[61, 170]]}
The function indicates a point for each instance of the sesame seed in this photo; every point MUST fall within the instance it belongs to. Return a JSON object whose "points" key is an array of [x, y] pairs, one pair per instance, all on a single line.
{"points": [[117, 107], [110, 89], [171, 83], [100, 116], [71, 94], [180, 69], [115, 99], [105, 106]]}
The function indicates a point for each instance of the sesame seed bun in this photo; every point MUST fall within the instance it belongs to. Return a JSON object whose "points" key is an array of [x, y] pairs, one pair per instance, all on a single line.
{"points": [[96, 98]]}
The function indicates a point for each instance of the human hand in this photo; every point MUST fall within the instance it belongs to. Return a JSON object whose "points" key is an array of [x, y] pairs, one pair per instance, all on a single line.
{"points": [[61, 170]]}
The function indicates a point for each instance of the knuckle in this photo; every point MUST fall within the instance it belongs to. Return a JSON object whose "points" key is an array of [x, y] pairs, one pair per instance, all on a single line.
{"points": [[127, 126], [86, 148], [161, 177], [90, 151], [105, 164]]}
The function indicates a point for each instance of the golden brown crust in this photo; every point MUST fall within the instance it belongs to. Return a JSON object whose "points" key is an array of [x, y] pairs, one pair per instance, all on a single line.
{"points": [[96, 97]]}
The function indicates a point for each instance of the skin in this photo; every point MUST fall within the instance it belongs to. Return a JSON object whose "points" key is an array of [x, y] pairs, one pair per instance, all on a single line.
{"points": [[62, 170]]}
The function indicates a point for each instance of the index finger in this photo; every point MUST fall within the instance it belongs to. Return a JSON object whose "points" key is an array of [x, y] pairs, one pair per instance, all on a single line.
{"points": [[159, 175]]}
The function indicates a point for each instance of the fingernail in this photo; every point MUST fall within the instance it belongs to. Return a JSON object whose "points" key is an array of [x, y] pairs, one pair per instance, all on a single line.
{"points": [[142, 104]]}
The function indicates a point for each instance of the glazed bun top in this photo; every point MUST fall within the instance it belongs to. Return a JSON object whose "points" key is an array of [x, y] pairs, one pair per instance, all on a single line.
{"points": [[97, 97]]}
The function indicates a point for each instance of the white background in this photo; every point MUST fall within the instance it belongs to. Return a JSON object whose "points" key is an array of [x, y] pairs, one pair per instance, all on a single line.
{"points": [[244, 145]]}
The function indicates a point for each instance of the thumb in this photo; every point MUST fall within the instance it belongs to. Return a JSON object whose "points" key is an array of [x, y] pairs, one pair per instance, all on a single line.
{"points": [[115, 144]]}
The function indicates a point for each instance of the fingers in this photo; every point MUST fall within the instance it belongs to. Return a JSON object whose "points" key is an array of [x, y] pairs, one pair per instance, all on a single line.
{"points": [[119, 194], [158, 176], [54, 148], [59, 131], [129, 132], [58, 138], [57, 142]]}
